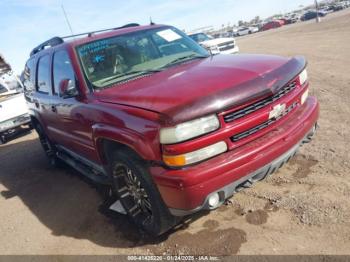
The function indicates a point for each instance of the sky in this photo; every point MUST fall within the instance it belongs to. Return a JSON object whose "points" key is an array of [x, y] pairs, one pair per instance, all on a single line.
{"points": [[24, 24]]}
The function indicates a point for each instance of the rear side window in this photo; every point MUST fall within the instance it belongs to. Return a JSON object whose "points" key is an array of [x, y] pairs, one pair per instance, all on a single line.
{"points": [[28, 76], [43, 82], [62, 69]]}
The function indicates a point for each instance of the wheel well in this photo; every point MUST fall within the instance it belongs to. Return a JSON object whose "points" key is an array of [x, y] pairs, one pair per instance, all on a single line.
{"points": [[36, 125], [34, 121], [108, 146]]}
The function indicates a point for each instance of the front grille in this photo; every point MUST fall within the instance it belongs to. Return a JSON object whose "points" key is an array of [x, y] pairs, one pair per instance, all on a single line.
{"points": [[259, 104], [228, 47], [22, 119], [226, 43], [255, 129]]}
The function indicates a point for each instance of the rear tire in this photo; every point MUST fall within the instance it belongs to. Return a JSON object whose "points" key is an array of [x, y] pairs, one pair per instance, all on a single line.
{"points": [[138, 194], [48, 146]]}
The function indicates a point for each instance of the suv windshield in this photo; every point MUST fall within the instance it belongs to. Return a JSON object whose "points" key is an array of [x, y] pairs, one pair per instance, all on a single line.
{"points": [[200, 37], [124, 57]]}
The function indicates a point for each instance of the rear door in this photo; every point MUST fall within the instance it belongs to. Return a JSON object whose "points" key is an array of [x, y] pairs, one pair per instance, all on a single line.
{"points": [[42, 96]]}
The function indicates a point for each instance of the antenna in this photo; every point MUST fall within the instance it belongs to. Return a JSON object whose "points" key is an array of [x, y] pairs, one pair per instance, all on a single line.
{"points": [[67, 20]]}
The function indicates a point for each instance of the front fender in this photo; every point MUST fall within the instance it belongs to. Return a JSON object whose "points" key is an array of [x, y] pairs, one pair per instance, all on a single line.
{"points": [[138, 142]]}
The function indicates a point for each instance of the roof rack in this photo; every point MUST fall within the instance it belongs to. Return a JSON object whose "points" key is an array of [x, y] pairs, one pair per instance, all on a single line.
{"points": [[49, 43], [59, 40], [103, 30]]}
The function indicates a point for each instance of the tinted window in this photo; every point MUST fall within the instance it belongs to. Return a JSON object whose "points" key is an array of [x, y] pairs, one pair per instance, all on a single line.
{"points": [[128, 56], [62, 69], [28, 75], [200, 37], [43, 84]]}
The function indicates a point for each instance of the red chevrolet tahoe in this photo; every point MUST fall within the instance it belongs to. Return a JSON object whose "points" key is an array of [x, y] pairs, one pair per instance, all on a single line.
{"points": [[170, 127]]}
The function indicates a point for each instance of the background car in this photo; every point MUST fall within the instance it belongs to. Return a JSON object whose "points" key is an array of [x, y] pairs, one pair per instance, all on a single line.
{"points": [[247, 30], [312, 15], [13, 112], [289, 20], [223, 45], [271, 25]]}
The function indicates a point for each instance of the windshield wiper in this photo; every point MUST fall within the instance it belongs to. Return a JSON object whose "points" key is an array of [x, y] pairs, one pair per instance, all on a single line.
{"points": [[150, 71], [136, 73], [183, 59]]}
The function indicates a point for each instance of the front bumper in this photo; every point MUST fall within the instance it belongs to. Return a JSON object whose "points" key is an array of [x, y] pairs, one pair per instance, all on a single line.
{"points": [[187, 190], [234, 50], [247, 181], [13, 123]]}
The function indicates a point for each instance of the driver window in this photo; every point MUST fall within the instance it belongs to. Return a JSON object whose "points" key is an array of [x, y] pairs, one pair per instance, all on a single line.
{"points": [[62, 69], [43, 78], [28, 76]]}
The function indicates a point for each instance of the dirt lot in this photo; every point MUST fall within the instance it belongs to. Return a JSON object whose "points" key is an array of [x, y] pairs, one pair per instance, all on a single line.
{"points": [[302, 209]]}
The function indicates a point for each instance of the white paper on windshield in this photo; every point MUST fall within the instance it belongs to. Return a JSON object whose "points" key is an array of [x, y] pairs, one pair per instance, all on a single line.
{"points": [[169, 35]]}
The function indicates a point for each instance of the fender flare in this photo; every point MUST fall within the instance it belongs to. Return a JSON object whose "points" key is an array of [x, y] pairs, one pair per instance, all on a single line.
{"points": [[123, 136]]}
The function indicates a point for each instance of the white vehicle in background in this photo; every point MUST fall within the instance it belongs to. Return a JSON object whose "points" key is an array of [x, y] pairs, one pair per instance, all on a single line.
{"points": [[247, 30], [222, 45], [13, 112]]}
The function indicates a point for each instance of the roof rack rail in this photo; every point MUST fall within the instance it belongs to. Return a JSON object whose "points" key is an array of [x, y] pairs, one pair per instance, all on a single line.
{"points": [[49, 43], [59, 40], [102, 30]]}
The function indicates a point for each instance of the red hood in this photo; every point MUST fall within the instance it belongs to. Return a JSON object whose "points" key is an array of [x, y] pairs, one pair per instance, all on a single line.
{"points": [[205, 86]]}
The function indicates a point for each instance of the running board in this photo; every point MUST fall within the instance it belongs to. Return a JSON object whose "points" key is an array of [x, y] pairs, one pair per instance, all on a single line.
{"points": [[87, 170]]}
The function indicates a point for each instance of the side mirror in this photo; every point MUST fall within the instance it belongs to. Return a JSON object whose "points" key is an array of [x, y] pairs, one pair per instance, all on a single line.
{"points": [[67, 88]]}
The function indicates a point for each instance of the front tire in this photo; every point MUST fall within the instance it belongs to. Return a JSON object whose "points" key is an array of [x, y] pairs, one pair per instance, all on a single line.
{"points": [[138, 194]]}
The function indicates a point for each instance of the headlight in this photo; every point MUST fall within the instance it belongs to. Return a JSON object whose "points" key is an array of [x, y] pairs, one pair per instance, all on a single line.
{"points": [[303, 77], [188, 130], [214, 49], [195, 156]]}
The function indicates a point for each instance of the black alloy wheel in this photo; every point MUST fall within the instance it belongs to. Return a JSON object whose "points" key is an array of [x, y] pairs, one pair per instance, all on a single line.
{"points": [[138, 194], [133, 196]]}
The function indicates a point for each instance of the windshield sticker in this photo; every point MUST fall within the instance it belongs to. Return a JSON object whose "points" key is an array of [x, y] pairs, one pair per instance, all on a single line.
{"points": [[93, 47], [169, 35], [99, 58]]}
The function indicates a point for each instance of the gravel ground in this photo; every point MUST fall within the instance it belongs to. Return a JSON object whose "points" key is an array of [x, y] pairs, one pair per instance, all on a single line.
{"points": [[304, 208]]}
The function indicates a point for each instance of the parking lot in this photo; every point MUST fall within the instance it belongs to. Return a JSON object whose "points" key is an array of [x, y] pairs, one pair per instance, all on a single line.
{"points": [[302, 209]]}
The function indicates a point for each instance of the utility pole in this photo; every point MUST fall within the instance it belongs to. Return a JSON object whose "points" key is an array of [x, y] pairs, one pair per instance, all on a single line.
{"points": [[318, 18]]}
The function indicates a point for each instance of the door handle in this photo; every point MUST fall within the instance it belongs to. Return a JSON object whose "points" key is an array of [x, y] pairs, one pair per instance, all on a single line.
{"points": [[54, 109]]}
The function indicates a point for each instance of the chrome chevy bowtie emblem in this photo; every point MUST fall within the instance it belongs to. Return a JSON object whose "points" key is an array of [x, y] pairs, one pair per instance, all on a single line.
{"points": [[277, 111]]}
